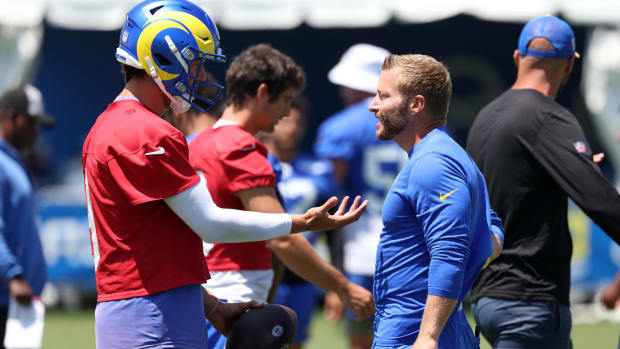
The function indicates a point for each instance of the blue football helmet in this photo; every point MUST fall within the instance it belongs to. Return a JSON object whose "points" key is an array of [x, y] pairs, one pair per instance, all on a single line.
{"points": [[164, 37]]}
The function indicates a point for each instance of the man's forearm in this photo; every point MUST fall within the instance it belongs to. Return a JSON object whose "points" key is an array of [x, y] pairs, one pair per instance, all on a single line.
{"points": [[436, 313], [301, 258]]}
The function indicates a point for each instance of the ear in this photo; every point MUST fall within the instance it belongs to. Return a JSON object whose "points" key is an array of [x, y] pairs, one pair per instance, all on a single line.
{"points": [[417, 104], [262, 92], [516, 57]]}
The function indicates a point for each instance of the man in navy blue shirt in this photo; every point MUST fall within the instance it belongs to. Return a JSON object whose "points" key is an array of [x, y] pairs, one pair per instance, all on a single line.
{"points": [[22, 266], [438, 227]]}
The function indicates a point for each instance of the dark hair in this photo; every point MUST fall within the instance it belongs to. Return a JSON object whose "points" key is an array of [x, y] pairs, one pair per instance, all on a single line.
{"points": [[130, 72], [423, 75], [262, 64]]}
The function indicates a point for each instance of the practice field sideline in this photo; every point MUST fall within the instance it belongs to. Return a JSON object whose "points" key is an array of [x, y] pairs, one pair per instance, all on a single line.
{"points": [[75, 330]]}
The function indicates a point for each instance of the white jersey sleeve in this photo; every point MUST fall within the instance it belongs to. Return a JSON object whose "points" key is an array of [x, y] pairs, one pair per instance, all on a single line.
{"points": [[214, 224]]}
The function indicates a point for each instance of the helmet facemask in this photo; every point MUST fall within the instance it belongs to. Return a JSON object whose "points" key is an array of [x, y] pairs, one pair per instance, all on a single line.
{"points": [[182, 90]]}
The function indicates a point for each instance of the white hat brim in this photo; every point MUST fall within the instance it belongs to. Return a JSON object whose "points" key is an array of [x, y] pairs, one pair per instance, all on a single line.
{"points": [[353, 78]]}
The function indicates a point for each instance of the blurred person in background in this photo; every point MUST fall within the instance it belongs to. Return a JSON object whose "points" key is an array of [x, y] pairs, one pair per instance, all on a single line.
{"points": [[148, 210], [534, 155], [260, 83], [610, 297], [438, 227], [364, 165], [304, 181], [22, 264]]}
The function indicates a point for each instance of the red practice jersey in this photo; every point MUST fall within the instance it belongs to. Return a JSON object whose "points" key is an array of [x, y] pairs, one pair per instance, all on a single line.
{"points": [[232, 160], [132, 160]]}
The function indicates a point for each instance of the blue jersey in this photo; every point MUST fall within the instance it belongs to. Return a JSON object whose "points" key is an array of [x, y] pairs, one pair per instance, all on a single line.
{"points": [[304, 183], [436, 237], [276, 165], [349, 136]]}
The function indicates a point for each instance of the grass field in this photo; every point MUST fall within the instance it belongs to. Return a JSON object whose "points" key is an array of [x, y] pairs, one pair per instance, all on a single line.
{"points": [[75, 330]]}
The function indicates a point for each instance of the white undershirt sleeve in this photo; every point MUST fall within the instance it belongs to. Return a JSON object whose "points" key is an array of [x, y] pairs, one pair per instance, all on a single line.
{"points": [[214, 224]]}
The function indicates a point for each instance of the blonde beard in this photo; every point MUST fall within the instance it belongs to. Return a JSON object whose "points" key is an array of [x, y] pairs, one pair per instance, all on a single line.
{"points": [[392, 123]]}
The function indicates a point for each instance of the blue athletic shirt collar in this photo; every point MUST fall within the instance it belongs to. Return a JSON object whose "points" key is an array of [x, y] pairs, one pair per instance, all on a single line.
{"points": [[433, 131]]}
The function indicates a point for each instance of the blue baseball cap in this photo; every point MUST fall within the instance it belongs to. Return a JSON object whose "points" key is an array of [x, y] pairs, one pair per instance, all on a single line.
{"points": [[558, 32]]}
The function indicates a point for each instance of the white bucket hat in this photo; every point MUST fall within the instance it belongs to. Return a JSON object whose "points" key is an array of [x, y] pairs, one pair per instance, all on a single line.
{"points": [[359, 68]]}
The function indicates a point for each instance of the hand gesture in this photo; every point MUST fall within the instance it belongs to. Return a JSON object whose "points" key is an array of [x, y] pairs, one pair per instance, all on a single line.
{"points": [[318, 218], [359, 300], [21, 291]]}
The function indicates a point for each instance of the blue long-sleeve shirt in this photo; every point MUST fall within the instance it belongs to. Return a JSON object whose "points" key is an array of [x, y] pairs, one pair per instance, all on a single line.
{"points": [[437, 234], [20, 246]]}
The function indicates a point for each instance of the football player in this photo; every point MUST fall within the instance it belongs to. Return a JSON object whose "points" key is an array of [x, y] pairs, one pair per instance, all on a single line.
{"points": [[147, 209], [260, 84]]}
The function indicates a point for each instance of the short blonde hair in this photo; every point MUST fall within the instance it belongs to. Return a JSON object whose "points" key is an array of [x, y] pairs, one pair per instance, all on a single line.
{"points": [[423, 75]]}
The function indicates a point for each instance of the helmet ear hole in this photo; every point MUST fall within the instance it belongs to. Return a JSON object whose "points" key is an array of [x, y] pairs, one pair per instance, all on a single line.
{"points": [[162, 60], [155, 9], [205, 39]]}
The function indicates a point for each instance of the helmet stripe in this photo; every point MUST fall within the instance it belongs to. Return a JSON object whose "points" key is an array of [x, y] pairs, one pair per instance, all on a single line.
{"points": [[145, 41], [202, 34]]}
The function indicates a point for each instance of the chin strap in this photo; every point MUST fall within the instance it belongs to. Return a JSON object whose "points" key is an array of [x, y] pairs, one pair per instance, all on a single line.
{"points": [[175, 51], [176, 103]]}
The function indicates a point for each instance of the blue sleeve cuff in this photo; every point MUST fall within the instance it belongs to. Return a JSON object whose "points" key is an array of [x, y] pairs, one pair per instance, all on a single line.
{"points": [[500, 233], [13, 271], [444, 279]]}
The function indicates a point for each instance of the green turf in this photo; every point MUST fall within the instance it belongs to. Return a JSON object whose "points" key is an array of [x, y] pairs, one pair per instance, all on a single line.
{"points": [[76, 330], [69, 330]]}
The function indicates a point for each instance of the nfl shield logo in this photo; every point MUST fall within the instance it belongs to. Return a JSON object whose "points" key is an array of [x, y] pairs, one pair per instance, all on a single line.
{"points": [[580, 146]]}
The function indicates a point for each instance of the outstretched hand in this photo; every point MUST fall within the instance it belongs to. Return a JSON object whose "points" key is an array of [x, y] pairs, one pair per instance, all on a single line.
{"points": [[318, 218]]}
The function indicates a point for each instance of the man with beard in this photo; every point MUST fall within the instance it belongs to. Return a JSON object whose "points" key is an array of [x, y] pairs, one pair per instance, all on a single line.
{"points": [[534, 155], [438, 227], [363, 165]]}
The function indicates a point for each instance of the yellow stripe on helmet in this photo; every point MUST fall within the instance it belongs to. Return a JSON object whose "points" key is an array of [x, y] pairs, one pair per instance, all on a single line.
{"points": [[202, 34], [145, 41]]}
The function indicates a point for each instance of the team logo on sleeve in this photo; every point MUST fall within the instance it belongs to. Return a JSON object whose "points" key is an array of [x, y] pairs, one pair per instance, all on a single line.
{"points": [[442, 197], [580, 146]]}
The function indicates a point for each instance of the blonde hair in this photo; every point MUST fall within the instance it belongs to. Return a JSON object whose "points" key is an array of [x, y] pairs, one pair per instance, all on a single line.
{"points": [[423, 75]]}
